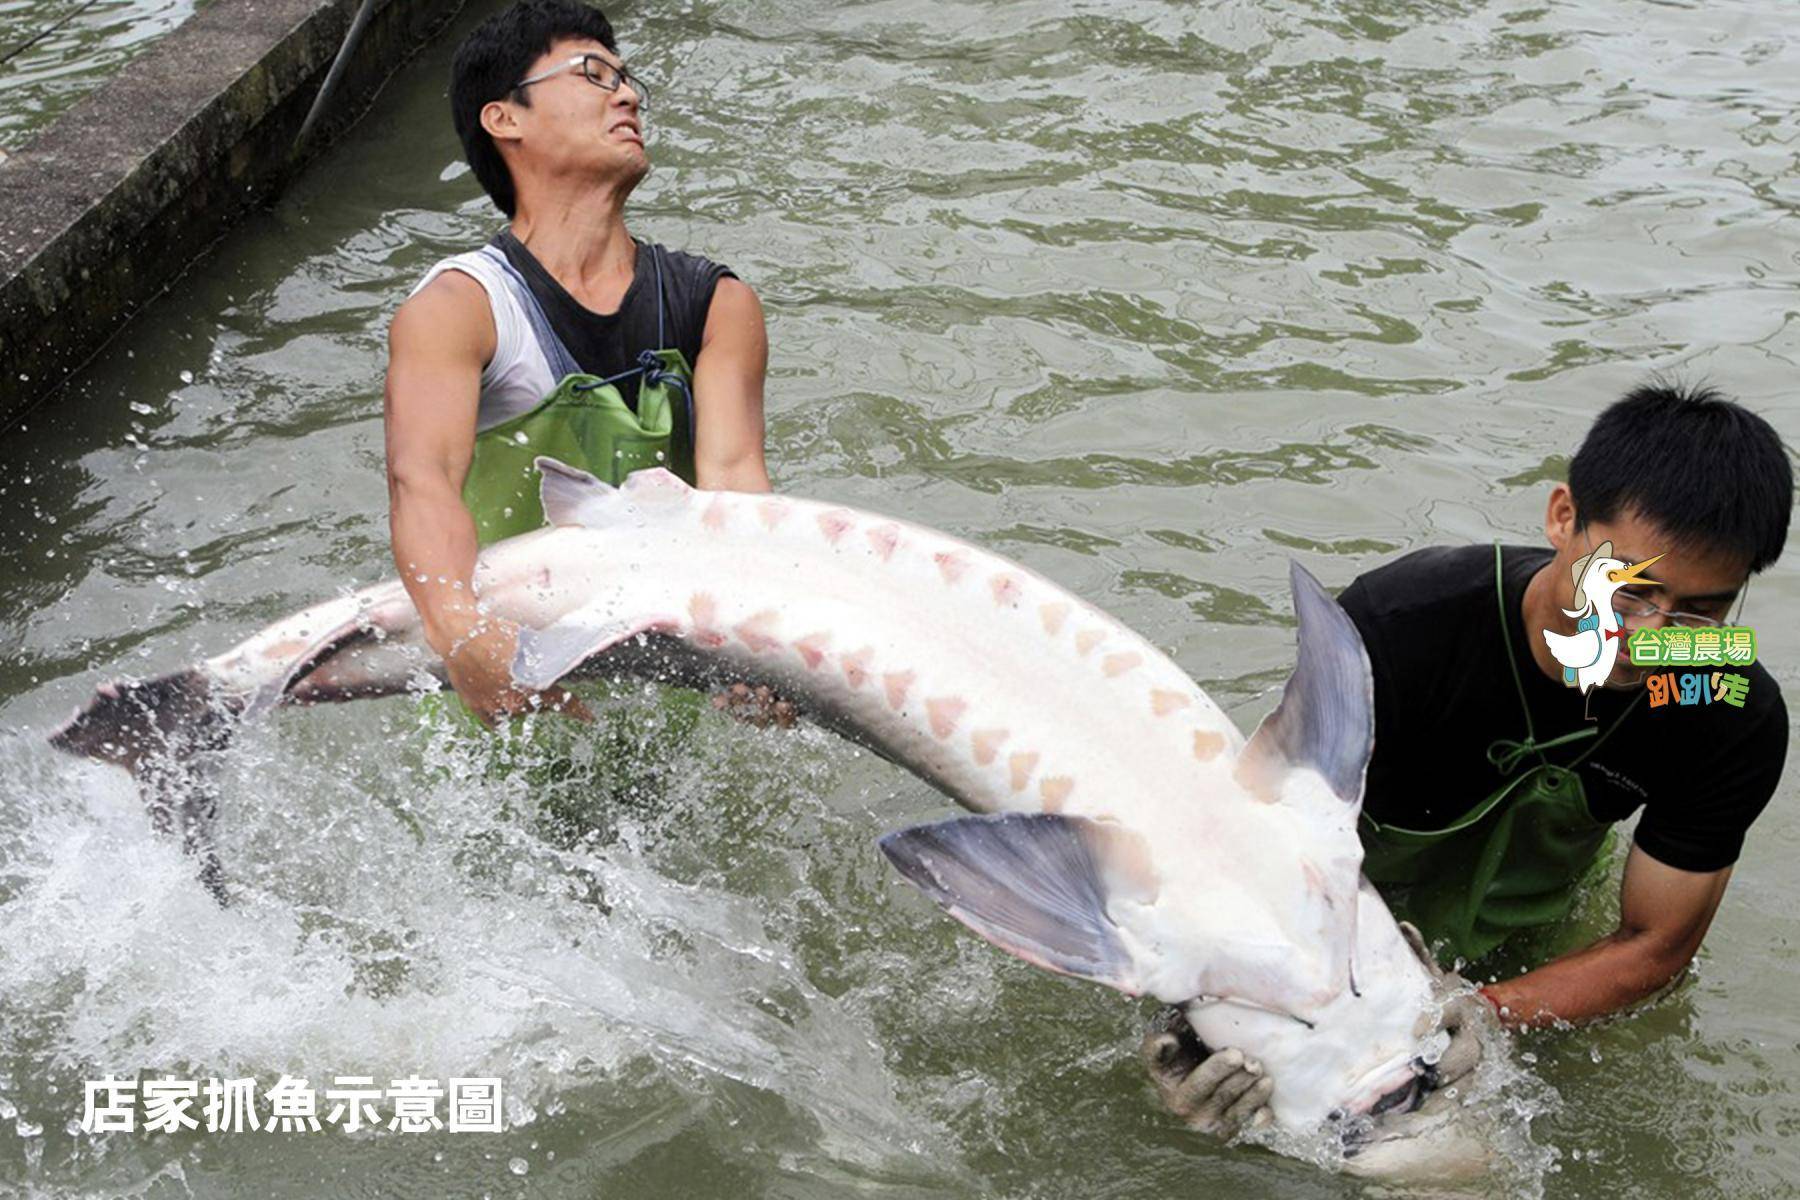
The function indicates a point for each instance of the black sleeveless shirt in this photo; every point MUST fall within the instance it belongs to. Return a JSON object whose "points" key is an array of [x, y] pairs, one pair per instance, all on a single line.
{"points": [[606, 344]]}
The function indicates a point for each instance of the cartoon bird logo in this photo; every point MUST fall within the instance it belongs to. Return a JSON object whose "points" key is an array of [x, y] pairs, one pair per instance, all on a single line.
{"points": [[1587, 657]]}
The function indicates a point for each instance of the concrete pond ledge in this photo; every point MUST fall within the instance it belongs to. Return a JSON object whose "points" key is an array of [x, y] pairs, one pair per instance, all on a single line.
{"points": [[107, 206]]}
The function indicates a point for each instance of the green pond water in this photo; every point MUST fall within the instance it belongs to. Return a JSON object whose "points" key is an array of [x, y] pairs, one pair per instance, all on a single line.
{"points": [[56, 51], [1150, 296]]}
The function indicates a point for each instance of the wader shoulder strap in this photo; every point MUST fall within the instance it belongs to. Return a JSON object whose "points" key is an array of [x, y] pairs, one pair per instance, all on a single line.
{"points": [[562, 363], [649, 363]]}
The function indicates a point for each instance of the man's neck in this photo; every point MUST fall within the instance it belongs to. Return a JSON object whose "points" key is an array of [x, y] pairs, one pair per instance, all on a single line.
{"points": [[581, 239], [1541, 611]]}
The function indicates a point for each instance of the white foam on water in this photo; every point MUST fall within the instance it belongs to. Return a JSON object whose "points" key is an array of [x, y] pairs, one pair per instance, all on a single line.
{"points": [[397, 910]]}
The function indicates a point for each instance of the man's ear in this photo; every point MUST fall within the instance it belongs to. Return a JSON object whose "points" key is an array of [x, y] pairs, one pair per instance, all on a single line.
{"points": [[1559, 517], [499, 121]]}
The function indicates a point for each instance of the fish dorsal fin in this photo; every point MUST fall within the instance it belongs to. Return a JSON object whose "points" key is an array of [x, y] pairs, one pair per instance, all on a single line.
{"points": [[1326, 718], [571, 496]]}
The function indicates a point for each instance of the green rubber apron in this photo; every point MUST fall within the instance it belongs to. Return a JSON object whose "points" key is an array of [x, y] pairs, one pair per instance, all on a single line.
{"points": [[584, 422], [1518, 859]]}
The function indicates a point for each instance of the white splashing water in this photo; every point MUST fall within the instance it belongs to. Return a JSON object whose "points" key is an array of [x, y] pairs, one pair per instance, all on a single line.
{"points": [[404, 906]]}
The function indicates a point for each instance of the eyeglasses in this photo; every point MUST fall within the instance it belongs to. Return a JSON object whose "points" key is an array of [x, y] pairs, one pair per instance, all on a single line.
{"points": [[597, 71], [1633, 606], [1630, 606]]}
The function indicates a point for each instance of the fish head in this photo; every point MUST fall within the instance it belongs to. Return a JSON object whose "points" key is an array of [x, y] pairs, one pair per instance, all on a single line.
{"points": [[1244, 903], [1336, 1023]]}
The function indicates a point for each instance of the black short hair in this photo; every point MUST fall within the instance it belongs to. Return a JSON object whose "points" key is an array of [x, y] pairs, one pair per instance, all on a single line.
{"points": [[493, 58], [1711, 474]]}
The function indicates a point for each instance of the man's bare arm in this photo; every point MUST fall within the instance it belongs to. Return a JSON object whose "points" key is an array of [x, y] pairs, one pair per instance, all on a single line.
{"points": [[1663, 916], [728, 392], [436, 347]]}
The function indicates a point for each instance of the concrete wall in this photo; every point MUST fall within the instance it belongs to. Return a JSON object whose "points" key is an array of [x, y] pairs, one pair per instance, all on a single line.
{"points": [[105, 208]]}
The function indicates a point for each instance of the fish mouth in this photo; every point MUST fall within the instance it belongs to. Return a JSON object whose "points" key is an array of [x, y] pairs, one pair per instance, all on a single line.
{"points": [[1409, 1088], [1398, 1085], [1405, 1098]]}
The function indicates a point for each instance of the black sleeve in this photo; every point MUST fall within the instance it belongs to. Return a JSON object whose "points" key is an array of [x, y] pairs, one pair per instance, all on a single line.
{"points": [[702, 282], [1386, 672], [1699, 824], [1355, 601]]}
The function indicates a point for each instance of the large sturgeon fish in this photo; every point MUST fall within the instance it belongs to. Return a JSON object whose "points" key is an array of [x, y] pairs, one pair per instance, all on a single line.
{"points": [[1129, 833]]}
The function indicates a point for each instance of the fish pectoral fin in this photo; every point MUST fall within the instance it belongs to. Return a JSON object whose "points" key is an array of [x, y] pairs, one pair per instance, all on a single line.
{"points": [[546, 655], [1034, 884], [1326, 718]]}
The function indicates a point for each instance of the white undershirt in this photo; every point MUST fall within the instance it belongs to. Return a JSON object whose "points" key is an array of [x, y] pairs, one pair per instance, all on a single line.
{"points": [[518, 377]]}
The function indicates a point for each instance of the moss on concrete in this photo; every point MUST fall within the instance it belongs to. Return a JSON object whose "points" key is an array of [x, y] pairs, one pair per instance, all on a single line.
{"points": [[107, 207]]}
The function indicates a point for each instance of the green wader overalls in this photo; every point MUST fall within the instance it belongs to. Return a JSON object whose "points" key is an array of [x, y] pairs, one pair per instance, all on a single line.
{"points": [[1516, 860], [584, 422]]}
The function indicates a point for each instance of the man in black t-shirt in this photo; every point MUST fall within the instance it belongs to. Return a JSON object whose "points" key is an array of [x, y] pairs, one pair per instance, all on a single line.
{"points": [[1471, 819]]}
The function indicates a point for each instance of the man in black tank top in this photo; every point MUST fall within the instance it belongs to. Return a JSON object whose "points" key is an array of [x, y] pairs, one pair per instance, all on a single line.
{"points": [[551, 120], [608, 344]]}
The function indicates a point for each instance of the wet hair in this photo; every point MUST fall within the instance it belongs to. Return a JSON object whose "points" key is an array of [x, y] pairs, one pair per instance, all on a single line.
{"points": [[493, 58], [1710, 473]]}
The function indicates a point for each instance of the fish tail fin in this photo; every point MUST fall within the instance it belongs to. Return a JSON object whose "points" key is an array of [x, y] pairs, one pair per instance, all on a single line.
{"points": [[1034, 884], [183, 799], [571, 496], [155, 729], [138, 725]]}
